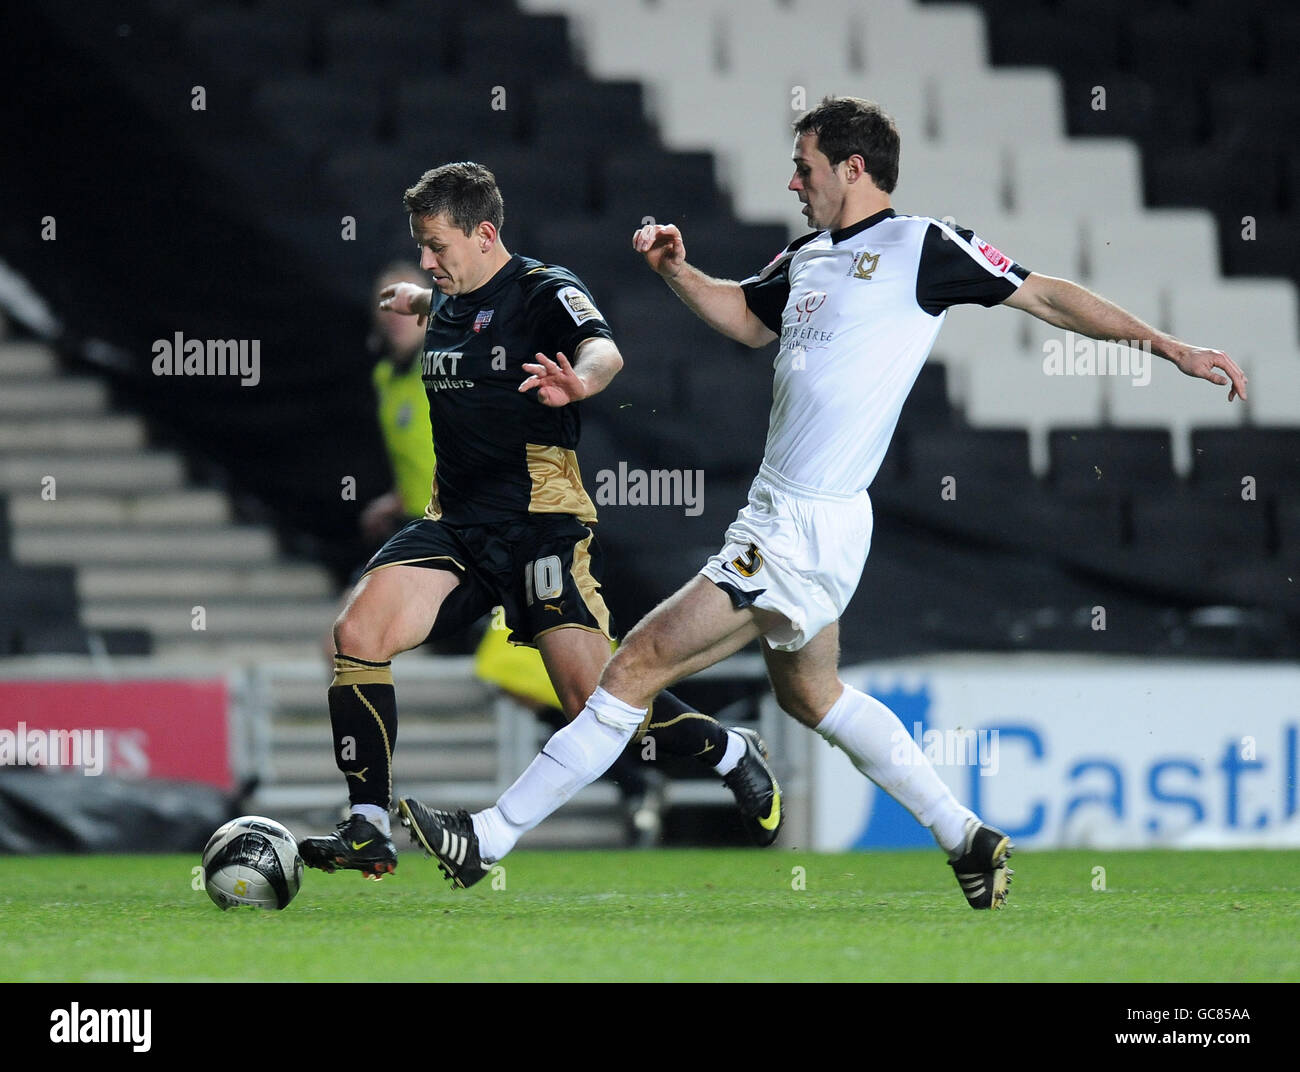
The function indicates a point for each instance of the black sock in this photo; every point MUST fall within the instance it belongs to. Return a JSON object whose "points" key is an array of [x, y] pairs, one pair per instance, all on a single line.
{"points": [[680, 731], [363, 715]]}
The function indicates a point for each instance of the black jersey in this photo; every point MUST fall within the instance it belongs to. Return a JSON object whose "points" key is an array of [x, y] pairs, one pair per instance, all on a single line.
{"points": [[501, 454]]}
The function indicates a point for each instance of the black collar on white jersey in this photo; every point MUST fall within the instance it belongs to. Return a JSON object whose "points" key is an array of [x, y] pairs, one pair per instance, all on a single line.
{"points": [[861, 225]]}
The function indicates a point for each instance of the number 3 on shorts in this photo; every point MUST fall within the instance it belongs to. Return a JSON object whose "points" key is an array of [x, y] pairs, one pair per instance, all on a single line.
{"points": [[543, 579], [750, 564]]}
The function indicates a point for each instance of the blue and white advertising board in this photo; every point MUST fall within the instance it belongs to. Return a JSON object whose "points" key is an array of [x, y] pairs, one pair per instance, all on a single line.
{"points": [[1104, 753]]}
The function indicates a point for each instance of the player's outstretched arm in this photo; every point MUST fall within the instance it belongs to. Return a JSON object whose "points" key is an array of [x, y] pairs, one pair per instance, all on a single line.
{"points": [[558, 382], [1067, 305], [718, 302], [407, 299]]}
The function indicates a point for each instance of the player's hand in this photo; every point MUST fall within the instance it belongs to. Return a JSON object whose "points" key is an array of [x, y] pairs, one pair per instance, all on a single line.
{"points": [[405, 298], [381, 517], [662, 247], [1206, 363], [556, 382]]}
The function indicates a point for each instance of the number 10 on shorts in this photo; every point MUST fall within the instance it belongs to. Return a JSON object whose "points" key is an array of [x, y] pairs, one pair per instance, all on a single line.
{"points": [[543, 579]]}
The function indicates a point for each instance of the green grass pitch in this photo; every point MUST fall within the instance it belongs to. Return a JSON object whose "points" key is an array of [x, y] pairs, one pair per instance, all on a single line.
{"points": [[667, 915]]}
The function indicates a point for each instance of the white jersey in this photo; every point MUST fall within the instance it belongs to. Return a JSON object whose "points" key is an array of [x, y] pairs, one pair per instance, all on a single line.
{"points": [[857, 311]]}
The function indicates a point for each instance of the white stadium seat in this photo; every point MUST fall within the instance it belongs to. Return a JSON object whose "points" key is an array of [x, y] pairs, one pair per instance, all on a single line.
{"points": [[983, 147], [971, 337], [1254, 321], [1015, 389], [1169, 246], [1020, 106], [1273, 393], [1051, 245], [955, 187], [1092, 177]]}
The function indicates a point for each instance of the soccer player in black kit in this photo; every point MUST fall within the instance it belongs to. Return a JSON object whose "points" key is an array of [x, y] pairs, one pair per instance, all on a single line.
{"points": [[507, 523]]}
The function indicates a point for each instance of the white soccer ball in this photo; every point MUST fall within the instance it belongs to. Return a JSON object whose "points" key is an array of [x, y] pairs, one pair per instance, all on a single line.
{"points": [[253, 861]]}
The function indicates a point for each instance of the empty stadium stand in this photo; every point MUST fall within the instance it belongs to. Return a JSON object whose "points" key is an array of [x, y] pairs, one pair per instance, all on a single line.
{"points": [[319, 115]]}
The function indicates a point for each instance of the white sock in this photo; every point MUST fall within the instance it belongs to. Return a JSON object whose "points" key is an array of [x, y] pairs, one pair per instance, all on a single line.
{"points": [[375, 815], [735, 749], [882, 749], [574, 757]]}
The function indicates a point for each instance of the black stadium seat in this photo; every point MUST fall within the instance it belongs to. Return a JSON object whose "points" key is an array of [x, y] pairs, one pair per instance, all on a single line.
{"points": [[576, 116], [1112, 461], [35, 598], [1223, 457]]}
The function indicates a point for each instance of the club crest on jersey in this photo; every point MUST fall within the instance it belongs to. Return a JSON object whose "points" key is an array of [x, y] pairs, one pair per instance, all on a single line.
{"points": [[483, 319], [993, 255], [808, 304], [864, 264], [578, 305]]}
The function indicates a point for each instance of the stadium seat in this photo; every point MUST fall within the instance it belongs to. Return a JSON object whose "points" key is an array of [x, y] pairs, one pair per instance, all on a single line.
{"points": [[1177, 401], [313, 113], [1273, 391], [1254, 321], [955, 187], [1112, 461], [1223, 457], [1165, 42], [1115, 103], [36, 597], [1004, 108], [598, 249], [1288, 530], [984, 458], [1253, 110], [1281, 46], [1011, 389], [505, 44], [1260, 243], [927, 404], [1168, 247], [377, 46], [664, 186], [1089, 179], [898, 36], [252, 44], [1052, 244], [458, 110], [1199, 533], [1226, 174], [729, 249], [1074, 43], [971, 337], [577, 115]]}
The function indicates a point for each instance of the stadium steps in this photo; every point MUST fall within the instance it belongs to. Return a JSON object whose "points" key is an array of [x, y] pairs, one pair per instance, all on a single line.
{"points": [[200, 579], [83, 488], [448, 754], [302, 619], [125, 473]]}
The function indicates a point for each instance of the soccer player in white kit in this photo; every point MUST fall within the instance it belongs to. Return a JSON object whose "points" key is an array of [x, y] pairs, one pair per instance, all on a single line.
{"points": [[856, 305]]}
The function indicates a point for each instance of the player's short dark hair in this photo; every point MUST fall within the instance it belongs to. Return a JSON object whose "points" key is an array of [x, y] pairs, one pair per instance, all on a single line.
{"points": [[465, 191], [848, 125]]}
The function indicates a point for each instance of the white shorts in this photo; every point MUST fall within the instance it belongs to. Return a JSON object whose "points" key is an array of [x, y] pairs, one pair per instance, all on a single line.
{"points": [[794, 551]]}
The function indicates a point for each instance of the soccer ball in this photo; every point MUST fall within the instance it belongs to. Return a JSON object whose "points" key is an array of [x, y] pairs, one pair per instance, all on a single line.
{"points": [[254, 861]]}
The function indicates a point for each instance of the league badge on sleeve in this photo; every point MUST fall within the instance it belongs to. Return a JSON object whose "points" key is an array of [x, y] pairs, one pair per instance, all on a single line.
{"points": [[578, 305], [1000, 261]]}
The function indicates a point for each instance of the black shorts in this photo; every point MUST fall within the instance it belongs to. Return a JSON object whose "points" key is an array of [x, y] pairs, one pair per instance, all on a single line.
{"points": [[545, 571]]}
